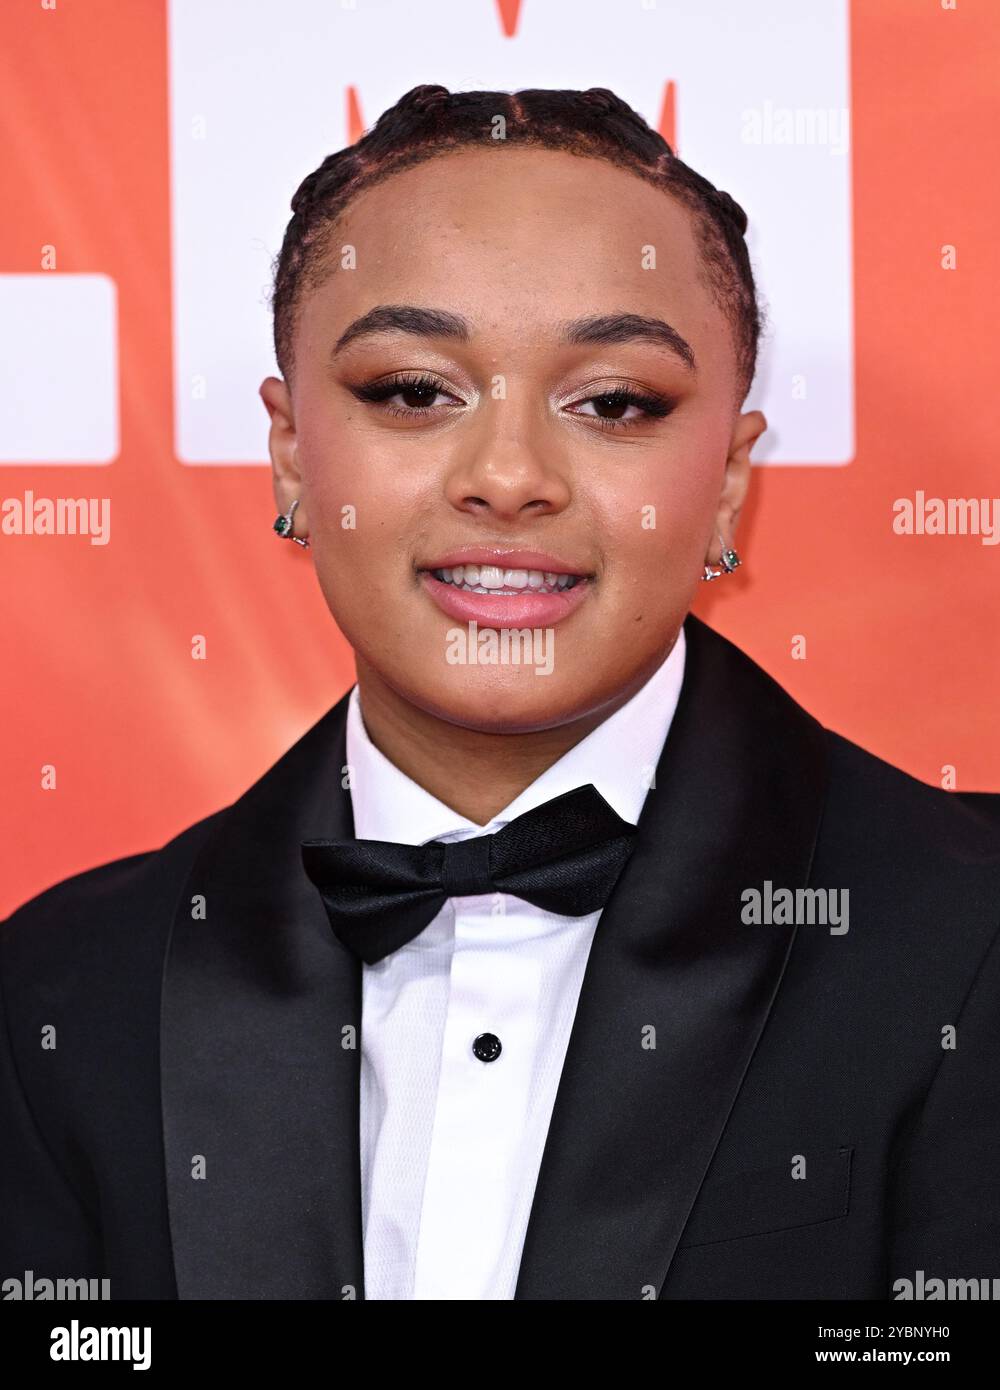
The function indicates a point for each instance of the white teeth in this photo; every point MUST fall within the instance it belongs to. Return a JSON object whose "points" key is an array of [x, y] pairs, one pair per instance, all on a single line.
{"points": [[491, 579]]}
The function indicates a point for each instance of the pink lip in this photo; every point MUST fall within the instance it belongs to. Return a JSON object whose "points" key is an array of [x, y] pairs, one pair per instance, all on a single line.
{"points": [[509, 610]]}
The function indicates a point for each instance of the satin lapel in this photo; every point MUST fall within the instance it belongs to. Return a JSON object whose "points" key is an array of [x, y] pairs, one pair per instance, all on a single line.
{"points": [[260, 1050], [677, 988]]}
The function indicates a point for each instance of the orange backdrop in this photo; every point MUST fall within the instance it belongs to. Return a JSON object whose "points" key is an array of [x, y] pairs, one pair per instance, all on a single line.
{"points": [[903, 632]]}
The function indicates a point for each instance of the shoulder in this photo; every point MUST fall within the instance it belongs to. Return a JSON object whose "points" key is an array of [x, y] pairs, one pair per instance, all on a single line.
{"points": [[922, 864], [922, 868], [897, 809], [114, 918], [877, 795]]}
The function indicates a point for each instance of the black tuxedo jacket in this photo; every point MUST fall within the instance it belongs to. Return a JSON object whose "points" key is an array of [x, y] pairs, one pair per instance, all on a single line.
{"points": [[746, 1111]]}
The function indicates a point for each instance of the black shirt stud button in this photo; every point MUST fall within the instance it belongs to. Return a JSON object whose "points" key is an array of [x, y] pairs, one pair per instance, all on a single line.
{"points": [[487, 1047]]}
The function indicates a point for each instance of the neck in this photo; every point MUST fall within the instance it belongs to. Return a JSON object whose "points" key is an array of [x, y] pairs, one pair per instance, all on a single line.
{"points": [[477, 774]]}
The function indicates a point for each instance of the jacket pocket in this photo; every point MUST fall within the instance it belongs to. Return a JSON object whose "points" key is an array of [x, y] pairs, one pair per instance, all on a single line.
{"points": [[760, 1200]]}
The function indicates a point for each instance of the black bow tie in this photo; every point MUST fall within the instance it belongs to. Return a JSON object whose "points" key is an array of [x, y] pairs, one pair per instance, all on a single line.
{"points": [[564, 856]]}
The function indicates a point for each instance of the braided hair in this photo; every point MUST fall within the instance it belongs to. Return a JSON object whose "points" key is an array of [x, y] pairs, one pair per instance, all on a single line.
{"points": [[430, 120]]}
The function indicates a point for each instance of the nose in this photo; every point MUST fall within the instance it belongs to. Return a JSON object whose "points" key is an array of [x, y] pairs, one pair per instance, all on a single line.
{"points": [[507, 473]]}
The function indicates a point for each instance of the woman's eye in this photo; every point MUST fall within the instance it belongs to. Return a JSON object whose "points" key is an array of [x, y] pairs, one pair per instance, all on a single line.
{"points": [[621, 408], [418, 396]]}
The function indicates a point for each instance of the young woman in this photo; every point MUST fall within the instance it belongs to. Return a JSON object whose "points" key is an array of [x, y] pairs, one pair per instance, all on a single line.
{"points": [[566, 957]]}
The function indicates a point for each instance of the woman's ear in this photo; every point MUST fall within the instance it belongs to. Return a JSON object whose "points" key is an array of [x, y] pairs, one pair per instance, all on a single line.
{"points": [[747, 430], [283, 448]]}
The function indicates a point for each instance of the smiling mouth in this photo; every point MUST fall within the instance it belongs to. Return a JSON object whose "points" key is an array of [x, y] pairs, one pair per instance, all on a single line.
{"points": [[492, 580]]}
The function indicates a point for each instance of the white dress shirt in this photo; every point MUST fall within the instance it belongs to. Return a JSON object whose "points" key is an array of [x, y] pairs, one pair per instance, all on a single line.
{"points": [[451, 1145]]}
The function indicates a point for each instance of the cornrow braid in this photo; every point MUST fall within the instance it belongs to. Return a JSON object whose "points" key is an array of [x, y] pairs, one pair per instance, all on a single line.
{"points": [[429, 120]]}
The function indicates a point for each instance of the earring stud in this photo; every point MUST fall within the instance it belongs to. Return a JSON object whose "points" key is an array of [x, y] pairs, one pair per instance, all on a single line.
{"points": [[729, 562], [284, 525]]}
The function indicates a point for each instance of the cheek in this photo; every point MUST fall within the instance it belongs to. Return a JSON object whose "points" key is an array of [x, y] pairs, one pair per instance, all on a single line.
{"points": [[346, 463], [349, 482], [363, 514], [657, 519]]}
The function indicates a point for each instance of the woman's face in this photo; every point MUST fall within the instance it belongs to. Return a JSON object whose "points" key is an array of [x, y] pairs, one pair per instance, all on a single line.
{"points": [[496, 429]]}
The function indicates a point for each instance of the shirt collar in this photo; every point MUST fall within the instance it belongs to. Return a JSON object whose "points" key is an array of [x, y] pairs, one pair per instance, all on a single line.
{"points": [[618, 757]]}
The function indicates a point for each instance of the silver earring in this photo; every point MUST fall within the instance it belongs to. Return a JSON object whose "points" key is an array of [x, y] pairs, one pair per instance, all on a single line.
{"points": [[729, 561], [284, 524]]}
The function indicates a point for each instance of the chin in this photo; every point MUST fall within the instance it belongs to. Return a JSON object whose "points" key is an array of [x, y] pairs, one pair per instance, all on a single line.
{"points": [[508, 700]]}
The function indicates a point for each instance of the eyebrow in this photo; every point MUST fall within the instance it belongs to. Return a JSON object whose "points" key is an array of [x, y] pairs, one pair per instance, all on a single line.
{"points": [[440, 323]]}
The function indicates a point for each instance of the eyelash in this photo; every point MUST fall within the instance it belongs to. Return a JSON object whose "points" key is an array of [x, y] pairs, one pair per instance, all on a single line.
{"points": [[380, 392]]}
